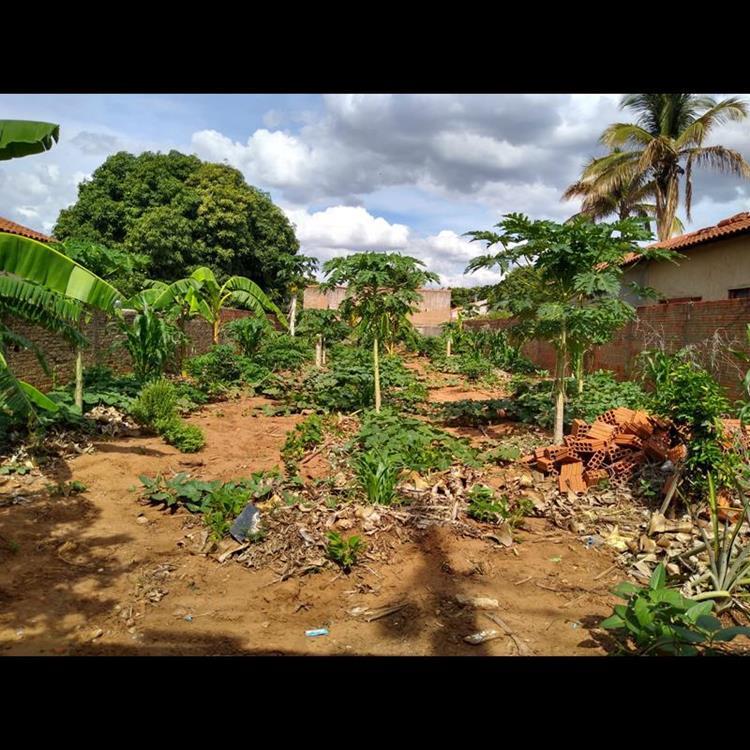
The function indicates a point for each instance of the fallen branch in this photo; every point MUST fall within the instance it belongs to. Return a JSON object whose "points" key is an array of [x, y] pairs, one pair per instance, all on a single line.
{"points": [[523, 649]]}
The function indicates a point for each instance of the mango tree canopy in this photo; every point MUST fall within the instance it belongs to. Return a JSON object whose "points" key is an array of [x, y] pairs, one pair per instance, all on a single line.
{"points": [[24, 137], [35, 261]]}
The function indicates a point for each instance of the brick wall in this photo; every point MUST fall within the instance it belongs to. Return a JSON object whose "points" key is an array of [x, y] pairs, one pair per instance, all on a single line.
{"points": [[711, 327], [102, 350]]}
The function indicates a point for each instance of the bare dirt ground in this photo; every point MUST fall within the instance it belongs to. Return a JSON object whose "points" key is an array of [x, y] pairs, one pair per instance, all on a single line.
{"points": [[100, 573]]}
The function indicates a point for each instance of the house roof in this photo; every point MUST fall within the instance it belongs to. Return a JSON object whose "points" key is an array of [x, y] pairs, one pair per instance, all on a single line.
{"points": [[737, 224], [12, 228]]}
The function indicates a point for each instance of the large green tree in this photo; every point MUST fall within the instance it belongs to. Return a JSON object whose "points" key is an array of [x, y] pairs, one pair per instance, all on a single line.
{"points": [[660, 150], [184, 213]]}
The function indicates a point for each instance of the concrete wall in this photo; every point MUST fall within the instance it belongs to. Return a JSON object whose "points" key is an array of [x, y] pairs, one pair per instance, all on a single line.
{"points": [[434, 307], [711, 327], [707, 271]]}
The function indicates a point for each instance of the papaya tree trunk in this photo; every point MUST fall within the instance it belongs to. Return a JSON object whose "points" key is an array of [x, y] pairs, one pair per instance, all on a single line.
{"points": [[79, 378], [323, 347], [448, 345], [376, 371], [559, 387], [319, 351], [293, 316]]}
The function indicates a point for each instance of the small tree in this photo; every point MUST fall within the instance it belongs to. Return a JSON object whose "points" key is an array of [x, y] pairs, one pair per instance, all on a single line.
{"points": [[572, 298], [382, 294], [204, 296]]}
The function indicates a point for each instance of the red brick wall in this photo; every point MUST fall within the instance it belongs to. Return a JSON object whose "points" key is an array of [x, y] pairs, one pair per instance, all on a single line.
{"points": [[711, 327], [102, 336]]}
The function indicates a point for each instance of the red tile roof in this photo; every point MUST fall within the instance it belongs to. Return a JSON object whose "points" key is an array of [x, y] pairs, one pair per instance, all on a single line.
{"points": [[12, 228], [737, 224]]}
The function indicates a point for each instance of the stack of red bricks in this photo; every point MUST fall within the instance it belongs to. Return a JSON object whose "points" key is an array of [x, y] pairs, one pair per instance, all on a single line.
{"points": [[612, 447]]}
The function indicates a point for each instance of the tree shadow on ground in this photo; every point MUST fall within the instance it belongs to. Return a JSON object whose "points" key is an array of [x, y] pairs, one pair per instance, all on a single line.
{"points": [[52, 575]]}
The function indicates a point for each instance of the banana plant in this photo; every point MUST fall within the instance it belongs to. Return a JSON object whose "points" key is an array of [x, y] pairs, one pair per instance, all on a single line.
{"points": [[43, 286], [205, 297]]}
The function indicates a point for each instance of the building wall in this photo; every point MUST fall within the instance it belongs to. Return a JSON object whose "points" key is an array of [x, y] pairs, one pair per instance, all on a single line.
{"points": [[713, 327], [434, 308], [707, 271]]}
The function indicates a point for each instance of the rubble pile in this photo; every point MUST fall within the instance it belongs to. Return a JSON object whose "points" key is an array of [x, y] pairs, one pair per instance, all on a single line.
{"points": [[612, 448]]}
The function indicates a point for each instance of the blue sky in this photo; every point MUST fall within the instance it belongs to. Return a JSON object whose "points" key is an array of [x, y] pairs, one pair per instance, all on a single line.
{"points": [[403, 172]]}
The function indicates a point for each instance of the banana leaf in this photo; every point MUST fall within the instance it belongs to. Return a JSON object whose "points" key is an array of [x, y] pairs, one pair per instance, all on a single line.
{"points": [[34, 261], [23, 137]]}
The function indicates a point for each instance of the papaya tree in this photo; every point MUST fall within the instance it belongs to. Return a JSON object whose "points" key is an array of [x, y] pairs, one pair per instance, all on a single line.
{"points": [[382, 293], [573, 297]]}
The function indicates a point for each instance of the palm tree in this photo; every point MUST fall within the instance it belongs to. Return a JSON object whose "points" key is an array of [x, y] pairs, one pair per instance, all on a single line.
{"points": [[631, 197], [204, 296], [661, 147]]}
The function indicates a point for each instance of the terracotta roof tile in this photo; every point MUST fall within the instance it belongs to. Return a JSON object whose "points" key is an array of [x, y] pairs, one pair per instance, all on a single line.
{"points": [[737, 224], [12, 228]]}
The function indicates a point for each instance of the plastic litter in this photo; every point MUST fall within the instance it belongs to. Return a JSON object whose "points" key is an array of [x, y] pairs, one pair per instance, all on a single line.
{"points": [[246, 524], [188, 618], [317, 631]]}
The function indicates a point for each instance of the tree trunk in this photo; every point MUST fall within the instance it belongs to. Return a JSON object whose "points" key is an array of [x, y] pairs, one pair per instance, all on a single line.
{"points": [[216, 325], [559, 388], [79, 379], [319, 351], [293, 316], [323, 347], [579, 373], [448, 346], [376, 370]]}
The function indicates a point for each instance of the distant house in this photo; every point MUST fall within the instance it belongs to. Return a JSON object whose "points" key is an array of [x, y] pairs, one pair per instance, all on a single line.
{"points": [[714, 265], [434, 308]]}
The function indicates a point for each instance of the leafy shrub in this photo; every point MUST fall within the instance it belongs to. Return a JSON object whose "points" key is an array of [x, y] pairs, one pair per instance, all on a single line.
{"points": [[342, 551], [531, 399], [189, 396], [187, 438], [306, 435], [221, 366], [686, 393], [349, 384], [156, 408], [219, 502], [411, 443], [659, 619], [327, 323], [280, 352], [248, 333], [377, 473], [157, 403]]}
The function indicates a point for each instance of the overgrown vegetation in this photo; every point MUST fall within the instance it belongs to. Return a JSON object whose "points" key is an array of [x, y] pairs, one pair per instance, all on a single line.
{"points": [[156, 408], [219, 502], [411, 443], [687, 394], [306, 435], [658, 619], [487, 506]]}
